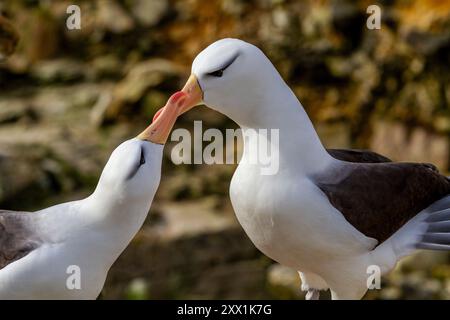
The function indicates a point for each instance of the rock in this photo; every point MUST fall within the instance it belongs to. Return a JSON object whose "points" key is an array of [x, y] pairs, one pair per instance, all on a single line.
{"points": [[51, 150], [33, 174], [420, 288], [426, 34], [340, 67], [9, 38], [41, 35], [143, 76], [396, 141], [108, 66], [365, 74], [343, 12], [100, 108], [187, 218], [15, 110], [335, 135], [59, 70], [441, 271], [182, 188], [283, 282], [411, 17], [281, 18], [17, 173], [418, 100], [442, 123], [422, 260], [138, 289], [432, 287], [428, 44], [65, 103], [149, 13], [416, 285], [140, 79], [446, 293], [113, 18], [153, 101], [318, 21], [232, 281], [390, 293], [233, 7]]}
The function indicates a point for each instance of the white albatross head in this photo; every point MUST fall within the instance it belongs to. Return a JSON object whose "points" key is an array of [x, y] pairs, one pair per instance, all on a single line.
{"points": [[238, 80], [133, 170], [235, 78]]}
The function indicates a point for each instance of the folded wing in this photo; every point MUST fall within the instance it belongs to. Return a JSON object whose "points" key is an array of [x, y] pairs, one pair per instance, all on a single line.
{"points": [[17, 236], [379, 198]]}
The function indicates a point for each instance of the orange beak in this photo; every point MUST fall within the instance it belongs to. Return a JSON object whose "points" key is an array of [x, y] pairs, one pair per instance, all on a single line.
{"points": [[194, 94], [164, 119], [180, 102]]}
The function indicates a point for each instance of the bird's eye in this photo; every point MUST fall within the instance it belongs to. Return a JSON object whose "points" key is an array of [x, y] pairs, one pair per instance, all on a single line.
{"points": [[142, 161], [217, 73]]}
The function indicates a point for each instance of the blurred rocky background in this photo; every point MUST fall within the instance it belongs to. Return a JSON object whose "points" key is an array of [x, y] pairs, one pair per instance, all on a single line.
{"points": [[68, 97]]}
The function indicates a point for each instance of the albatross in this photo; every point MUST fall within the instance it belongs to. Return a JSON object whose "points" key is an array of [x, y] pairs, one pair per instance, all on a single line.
{"points": [[330, 214], [40, 251]]}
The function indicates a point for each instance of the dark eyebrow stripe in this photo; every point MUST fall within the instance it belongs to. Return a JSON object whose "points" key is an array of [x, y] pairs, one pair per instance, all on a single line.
{"points": [[230, 62], [227, 64]]}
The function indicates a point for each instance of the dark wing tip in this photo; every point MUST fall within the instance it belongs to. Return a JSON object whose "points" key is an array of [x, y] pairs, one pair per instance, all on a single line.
{"points": [[437, 236]]}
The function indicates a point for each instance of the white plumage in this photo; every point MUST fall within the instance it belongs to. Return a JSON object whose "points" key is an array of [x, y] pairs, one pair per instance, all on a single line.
{"points": [[41, 252], [287, 215]]}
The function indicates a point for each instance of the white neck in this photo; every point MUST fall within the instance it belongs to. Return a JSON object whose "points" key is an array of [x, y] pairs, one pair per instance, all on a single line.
{"points": [[298, 140], [115, 221]]}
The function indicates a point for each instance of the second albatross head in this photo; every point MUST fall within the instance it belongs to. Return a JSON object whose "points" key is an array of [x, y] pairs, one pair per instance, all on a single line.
{"points": [[235, 78], [134, 168]]}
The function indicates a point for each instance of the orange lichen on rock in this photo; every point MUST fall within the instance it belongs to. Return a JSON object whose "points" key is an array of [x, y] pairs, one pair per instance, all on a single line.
{"points": [[424, 15]]}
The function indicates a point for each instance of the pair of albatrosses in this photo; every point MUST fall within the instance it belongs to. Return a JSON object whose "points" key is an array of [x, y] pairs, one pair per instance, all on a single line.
{"points": [[330, 214]]}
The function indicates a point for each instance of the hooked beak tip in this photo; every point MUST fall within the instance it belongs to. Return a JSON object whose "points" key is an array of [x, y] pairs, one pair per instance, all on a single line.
{"points": [[180, 102], [164, 119]]}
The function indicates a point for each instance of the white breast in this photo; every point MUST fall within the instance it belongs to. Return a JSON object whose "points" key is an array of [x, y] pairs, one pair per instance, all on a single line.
{"points": [[288, 219]]}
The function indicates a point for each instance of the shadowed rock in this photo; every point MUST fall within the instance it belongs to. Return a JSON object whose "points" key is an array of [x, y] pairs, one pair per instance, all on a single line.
{"points": [[9, 38]]}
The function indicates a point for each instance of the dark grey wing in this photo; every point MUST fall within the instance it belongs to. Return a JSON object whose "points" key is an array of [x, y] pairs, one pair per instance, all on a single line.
{"points": [[355, 155], [379, 198], [17, 236]]}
